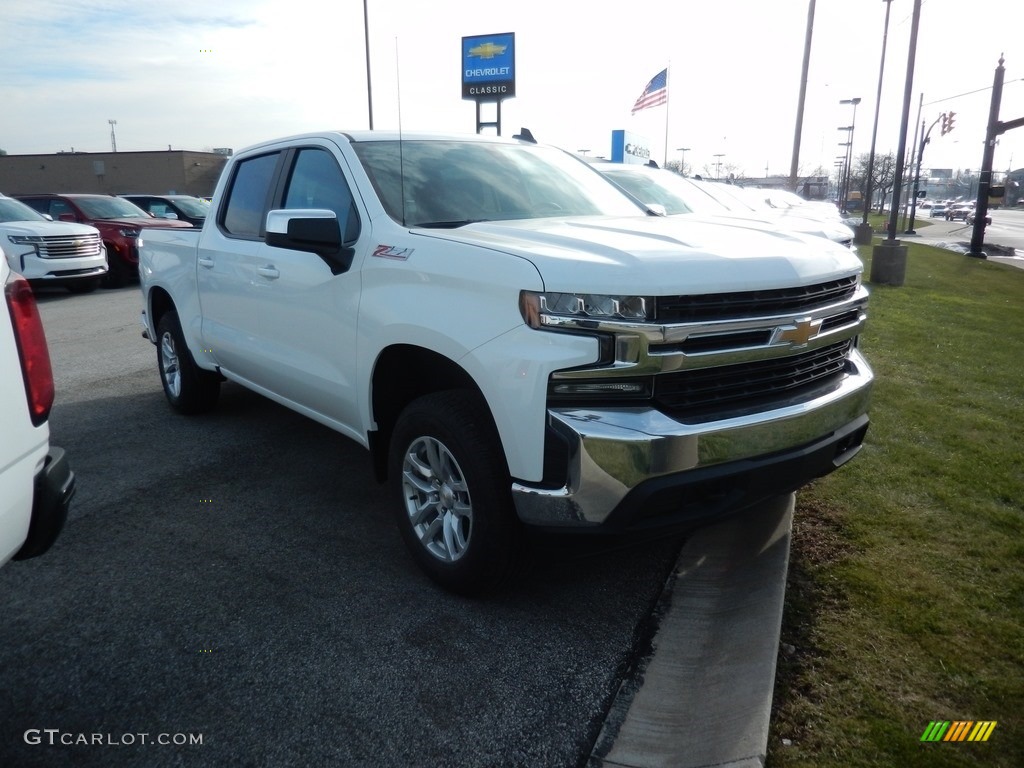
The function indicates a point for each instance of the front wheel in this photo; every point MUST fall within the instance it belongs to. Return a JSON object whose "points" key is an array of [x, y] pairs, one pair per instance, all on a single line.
{"points": [[454, 508], [188, 387]]}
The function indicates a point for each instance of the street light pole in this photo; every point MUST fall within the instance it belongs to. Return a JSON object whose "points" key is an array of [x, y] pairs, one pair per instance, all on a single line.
{"points": [[682, 159], [849, 150], [113, 138], [862, 236], [889, 260]]}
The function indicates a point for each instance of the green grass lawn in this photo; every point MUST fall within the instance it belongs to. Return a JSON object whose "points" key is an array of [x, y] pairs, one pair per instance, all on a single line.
{"points": [[905, 601]]}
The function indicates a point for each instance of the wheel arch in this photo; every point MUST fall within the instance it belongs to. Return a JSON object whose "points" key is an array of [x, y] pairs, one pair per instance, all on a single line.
{"points": [[160, 303], [403, 373]]}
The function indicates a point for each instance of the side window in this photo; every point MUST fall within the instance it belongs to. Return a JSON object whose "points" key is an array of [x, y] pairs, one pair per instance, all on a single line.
{"points": [[247, 199], [317, 182]]}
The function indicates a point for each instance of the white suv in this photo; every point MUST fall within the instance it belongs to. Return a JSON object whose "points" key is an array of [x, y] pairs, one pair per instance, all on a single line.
{"points": [[51, 252], [36, 483]]}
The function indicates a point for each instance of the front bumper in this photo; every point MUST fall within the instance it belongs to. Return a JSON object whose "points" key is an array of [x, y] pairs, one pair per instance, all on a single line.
{"points": [[637, 468], [54, 489]]}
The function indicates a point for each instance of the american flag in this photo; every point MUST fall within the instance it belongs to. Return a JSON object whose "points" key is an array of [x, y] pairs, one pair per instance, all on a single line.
{"points": [[655, 94]]}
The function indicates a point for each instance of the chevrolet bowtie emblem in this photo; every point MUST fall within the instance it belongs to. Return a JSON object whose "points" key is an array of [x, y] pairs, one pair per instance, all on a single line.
{"points": [[798, 334], [487, 50]]}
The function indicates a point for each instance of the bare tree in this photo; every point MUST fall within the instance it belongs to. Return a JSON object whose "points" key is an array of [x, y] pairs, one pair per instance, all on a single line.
{"points": [[883, 176]]}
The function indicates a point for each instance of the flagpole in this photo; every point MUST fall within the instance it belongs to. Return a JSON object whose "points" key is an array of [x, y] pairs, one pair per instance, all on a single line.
{"points": [[668, 95]]}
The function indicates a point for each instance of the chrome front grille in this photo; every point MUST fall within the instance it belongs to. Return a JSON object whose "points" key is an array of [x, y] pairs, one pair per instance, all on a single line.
{"points": [[693, 392], [726, 306], [70, 246]]}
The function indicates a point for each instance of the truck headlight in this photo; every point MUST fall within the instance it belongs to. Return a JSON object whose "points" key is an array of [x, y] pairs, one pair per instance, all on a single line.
{"points": [[549, 309], [127, 232]]}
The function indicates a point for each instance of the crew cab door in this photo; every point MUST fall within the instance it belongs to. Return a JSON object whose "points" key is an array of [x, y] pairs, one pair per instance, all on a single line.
{"points": [[227, 263], [308, 304]]}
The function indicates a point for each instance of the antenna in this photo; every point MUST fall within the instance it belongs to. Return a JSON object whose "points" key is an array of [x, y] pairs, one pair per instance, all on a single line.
{"points": [[401, 155]]}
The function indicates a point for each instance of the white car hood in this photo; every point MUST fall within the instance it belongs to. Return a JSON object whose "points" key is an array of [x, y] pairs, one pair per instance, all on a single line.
{"points": [[46, 228], [651, 255]]}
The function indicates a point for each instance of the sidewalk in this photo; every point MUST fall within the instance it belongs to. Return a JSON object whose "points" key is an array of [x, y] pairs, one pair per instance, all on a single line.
{"points": [[703, 696]]}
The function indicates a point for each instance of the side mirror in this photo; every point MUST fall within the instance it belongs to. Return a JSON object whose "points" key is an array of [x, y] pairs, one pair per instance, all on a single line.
{"points": [[169, 215], [314, 230]]}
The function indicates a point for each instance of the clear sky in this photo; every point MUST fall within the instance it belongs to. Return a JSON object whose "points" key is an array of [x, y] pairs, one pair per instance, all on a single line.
{"points": [[200, 74]]}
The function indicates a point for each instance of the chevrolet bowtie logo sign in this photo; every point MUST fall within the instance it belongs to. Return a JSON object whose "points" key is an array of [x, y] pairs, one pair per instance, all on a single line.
{"points": [[798, 334], [487, 50]]}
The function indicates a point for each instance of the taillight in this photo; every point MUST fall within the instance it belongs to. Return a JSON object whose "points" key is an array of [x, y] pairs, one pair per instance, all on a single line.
{"points": [[31, 341]]}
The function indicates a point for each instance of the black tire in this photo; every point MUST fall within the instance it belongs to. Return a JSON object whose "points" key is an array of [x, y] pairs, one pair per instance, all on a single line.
{"points": [[453, 492], [189, 389]]}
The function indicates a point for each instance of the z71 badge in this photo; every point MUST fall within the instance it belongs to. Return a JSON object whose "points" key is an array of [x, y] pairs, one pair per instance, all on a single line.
{"points": [[390, 252]]}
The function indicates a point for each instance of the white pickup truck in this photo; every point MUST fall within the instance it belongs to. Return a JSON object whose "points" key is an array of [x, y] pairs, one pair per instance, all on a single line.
{"points": [[513, 339]]}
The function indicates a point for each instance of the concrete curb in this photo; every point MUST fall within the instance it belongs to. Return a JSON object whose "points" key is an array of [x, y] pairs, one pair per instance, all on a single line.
{"points": [[703, 696]]}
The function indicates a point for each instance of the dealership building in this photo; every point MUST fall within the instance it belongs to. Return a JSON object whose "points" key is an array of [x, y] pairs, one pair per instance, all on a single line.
{"points": [[176, 171]]}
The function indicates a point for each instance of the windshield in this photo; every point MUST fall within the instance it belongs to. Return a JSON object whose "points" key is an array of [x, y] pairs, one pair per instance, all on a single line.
{"points": [[734, 198], [451, 182], [15, 210], [110, 208], [193, 206], [676, 194]]}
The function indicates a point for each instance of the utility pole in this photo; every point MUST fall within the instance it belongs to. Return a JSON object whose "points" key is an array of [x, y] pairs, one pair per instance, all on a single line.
{"points": [[995, 129]]}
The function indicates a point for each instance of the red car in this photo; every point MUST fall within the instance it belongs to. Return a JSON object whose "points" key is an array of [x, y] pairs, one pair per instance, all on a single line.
{"points": [[120, 224]]}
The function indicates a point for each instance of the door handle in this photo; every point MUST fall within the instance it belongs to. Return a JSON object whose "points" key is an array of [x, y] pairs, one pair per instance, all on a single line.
{"points": [[208, 263], [269, 272]]}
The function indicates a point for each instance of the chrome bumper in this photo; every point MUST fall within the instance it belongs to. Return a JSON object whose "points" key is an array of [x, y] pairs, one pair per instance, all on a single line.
{"points": [[636, 464]]}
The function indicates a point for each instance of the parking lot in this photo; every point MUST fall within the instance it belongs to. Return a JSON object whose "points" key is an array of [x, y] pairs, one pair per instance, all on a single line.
{"points": [[237, 577]]}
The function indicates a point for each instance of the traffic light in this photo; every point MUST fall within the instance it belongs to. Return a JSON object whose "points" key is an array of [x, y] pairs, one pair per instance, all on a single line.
{"points": [[947, 122]]}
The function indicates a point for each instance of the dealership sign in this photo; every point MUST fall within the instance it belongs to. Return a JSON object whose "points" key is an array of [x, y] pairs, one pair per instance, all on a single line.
{"points": [[489, 67], [630, 148]]}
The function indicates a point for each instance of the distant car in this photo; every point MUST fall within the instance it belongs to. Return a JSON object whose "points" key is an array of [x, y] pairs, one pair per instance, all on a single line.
{"points": [[678, 195], [119, 221], [959, 212], [36, 481], [48, 252], [937, 211], [971, 217], [180, 207]]}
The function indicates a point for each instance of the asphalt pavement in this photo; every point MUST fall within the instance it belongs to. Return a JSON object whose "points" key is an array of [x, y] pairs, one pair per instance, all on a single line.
{"points": [[231, 590]]}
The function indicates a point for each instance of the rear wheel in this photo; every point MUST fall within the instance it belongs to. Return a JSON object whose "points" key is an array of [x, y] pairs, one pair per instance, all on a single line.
{"points": [[454, 508], [188, 387]]}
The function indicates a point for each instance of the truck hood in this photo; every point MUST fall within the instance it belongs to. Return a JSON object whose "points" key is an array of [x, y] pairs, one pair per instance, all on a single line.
{"points": [[142, 223], [45, 228], [653, 255]]}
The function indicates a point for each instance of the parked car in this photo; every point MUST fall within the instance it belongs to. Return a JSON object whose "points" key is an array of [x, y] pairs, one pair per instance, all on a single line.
{"points": [[679, 195], [937, 211], [48, 252], [959, 212], [180, 207], [36, 481], [119, 222]]}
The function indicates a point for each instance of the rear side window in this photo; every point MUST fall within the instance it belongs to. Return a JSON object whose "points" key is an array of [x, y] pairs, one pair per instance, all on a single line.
{"points": [[247, 200]]}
